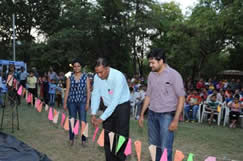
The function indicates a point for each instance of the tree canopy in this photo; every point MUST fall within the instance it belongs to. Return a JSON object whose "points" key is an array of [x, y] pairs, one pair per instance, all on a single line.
{"points": [[207, 41]]}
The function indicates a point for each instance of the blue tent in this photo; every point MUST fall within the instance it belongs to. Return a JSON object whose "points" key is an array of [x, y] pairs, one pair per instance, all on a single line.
{"points": [[17, 64]]}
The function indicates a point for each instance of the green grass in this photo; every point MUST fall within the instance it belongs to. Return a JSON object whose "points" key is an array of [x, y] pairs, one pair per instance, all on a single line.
{"points": [[200, 139]]}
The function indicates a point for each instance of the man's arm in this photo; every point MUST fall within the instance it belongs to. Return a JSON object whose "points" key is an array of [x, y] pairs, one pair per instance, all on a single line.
{"points": [[174, 124], [95, 97], [95, 100], [180, 92]]}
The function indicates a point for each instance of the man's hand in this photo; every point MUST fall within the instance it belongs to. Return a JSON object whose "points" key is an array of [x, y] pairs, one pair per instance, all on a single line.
{"points": [[173, 125], [87, 107], [140, 121], [93, 120], [98, 122]]}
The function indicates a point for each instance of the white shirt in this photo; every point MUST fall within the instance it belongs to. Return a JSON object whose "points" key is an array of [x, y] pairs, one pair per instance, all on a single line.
{"points": [[114, 91]]}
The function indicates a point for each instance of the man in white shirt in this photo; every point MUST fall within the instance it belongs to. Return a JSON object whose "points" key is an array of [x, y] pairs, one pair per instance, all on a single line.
{"points": [[111, 85]]}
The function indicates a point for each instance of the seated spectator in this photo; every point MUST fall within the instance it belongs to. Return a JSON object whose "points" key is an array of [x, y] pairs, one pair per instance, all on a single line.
{"points": [[235, 109], [210, 88], [219, 97], [200, 84], [193, 102], [225, 84], [228, 96], [204, 94], [237, 92], [212, 106], [219, 85]]}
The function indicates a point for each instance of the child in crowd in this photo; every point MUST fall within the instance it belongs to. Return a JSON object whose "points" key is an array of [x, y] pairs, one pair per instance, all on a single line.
{"points": [[192, 104], [235, 109], [45, 89], [52, 92], [41, 87], [212, 107], [60, 93]]}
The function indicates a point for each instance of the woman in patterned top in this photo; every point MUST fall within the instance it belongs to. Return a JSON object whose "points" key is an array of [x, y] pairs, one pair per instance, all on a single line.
{"points": [[77, 97]]}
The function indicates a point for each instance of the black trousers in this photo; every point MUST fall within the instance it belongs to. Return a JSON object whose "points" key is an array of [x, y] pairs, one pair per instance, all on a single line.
{"points": [[34, 93], [118, 123]]}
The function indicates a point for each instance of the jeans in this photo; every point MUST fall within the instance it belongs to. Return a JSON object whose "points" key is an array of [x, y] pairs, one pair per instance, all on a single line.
{"points": [[73, 109], [194, 112], [52, 99], [159, 134]]}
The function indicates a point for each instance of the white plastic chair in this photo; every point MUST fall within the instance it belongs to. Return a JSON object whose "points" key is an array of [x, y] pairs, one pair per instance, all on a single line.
{"points": [[206, 112], [226, 115]]}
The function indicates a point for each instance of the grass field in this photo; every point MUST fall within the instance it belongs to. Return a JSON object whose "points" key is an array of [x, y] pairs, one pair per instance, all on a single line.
{"points": [[200, 139]]}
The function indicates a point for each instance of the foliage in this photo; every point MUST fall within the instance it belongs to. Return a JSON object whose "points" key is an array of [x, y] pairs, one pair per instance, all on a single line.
{"points": [[124, 31]]}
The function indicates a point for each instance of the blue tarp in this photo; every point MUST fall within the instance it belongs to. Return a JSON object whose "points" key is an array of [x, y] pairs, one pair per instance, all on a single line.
{"points": [[12, 149], [16, 63]]}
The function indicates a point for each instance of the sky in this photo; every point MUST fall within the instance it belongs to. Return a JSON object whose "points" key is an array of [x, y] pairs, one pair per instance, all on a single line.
{"points": [[184, 4]]}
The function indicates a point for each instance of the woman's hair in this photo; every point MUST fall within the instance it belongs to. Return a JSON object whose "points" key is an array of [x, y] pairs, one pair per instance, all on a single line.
{"points": [[76, 61]]}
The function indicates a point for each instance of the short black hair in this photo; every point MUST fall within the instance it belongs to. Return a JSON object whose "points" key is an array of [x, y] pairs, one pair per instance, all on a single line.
{"points": [[158, 54], [101, 61]]}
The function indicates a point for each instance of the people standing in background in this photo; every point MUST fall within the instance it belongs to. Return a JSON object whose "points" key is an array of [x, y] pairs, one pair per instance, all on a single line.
{"points": [[23, 77], [53, 88], [45, 89], [11, 84], [60, 93], [52, 75], [32, 84]]}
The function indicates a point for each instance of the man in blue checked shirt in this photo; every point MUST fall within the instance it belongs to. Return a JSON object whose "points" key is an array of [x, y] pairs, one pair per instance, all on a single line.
{"points": [[111, 85]]}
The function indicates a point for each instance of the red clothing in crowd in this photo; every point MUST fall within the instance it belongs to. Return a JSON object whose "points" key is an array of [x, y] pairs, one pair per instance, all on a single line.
{"points": [[200, 85], [194, 98]]}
